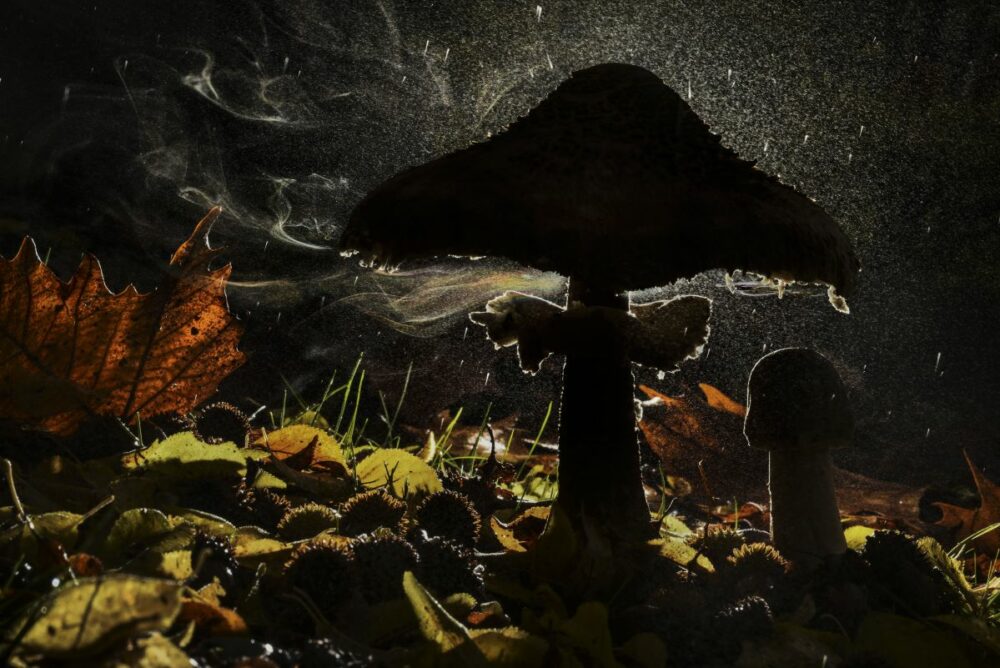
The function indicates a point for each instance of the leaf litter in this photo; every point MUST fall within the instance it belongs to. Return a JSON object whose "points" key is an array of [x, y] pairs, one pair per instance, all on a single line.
{"points": [[182, 549]]}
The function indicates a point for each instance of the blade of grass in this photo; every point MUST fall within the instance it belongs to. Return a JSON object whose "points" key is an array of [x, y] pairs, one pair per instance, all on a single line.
{"points": [[347, 393], [534, 443]]}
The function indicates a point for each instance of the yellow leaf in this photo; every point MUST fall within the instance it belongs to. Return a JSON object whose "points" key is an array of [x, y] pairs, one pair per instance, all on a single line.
{"points": [[289, 441], [682, 554], [511, 647], [409, 475], [94, 613], [857, 536], [438, 626], [182, 456], [254, 545], [155, 651]]}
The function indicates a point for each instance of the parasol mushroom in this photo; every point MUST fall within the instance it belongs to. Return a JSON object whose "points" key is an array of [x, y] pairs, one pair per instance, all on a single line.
{"points": [[613, 181], [797, 410]]}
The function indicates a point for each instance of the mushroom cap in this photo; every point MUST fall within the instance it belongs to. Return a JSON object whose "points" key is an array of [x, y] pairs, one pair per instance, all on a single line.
{"points": [[614, 180], [796, 402]]}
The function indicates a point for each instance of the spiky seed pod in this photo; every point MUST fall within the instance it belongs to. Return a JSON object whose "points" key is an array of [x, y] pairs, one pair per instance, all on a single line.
{"points": [[718, 544], [757, 559], [885, 550], [325, 571], [325, 653], [213, 557], [381, 562], [757, 569], [900, 567], [448, 515], [481, 493], [263, 507], [306, 521], [746, 619], [448, 568], [369, 511], [221, 422]]}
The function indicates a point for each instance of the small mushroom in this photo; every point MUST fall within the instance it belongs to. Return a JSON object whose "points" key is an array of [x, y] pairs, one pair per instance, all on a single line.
{"points": [[797, 410], [614, 182]]}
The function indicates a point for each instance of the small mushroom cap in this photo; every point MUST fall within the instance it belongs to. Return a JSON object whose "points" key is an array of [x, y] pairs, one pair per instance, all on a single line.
{"points": [[796, 401], [611, 179]]}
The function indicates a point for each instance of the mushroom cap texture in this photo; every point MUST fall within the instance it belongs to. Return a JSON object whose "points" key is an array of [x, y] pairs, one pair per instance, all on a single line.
{"points": [[796, 402], [614, 180]]}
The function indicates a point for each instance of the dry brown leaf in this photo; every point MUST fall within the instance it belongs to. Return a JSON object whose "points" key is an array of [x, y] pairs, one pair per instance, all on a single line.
{"points": [[521, 533], [212, 620], [69, 351], [701, 440], [719, 401], [967, 521]]}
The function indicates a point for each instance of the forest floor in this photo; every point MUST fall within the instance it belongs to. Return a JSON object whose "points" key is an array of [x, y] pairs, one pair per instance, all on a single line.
{"points": [[315, 534]]}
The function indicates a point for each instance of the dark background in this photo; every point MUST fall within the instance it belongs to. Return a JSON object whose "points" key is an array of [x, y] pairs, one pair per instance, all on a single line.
{"points": [[122, 121]]}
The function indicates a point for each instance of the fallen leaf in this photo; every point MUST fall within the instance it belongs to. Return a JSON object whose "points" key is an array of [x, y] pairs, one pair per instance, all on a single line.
{"points": [[523, 532], [74, 350], [303, 446], [719, 401], [212, 620], [511, 647], [409, 475], [182, 457], [93, 613], [857, 536], [156, 651], [701, 440], [438, 626], [967, 521]]}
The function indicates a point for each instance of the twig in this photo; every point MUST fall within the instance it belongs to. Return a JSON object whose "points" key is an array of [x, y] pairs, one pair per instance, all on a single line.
{"points": [[8, 469]]}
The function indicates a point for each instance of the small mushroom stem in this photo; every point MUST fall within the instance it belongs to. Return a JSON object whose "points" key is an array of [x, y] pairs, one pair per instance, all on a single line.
{"points": [[599, 478], [805, 520]]}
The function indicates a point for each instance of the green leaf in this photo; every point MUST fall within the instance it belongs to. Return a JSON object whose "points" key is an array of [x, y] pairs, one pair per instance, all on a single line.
{"points": [[410, 475], [93, 613]]}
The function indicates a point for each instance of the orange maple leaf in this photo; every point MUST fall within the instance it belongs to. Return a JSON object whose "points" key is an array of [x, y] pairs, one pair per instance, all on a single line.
{"points": [[72, 350]]}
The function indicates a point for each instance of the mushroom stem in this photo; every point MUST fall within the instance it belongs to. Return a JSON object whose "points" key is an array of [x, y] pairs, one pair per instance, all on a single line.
{"points": [[599, 479], [805, 520]]}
